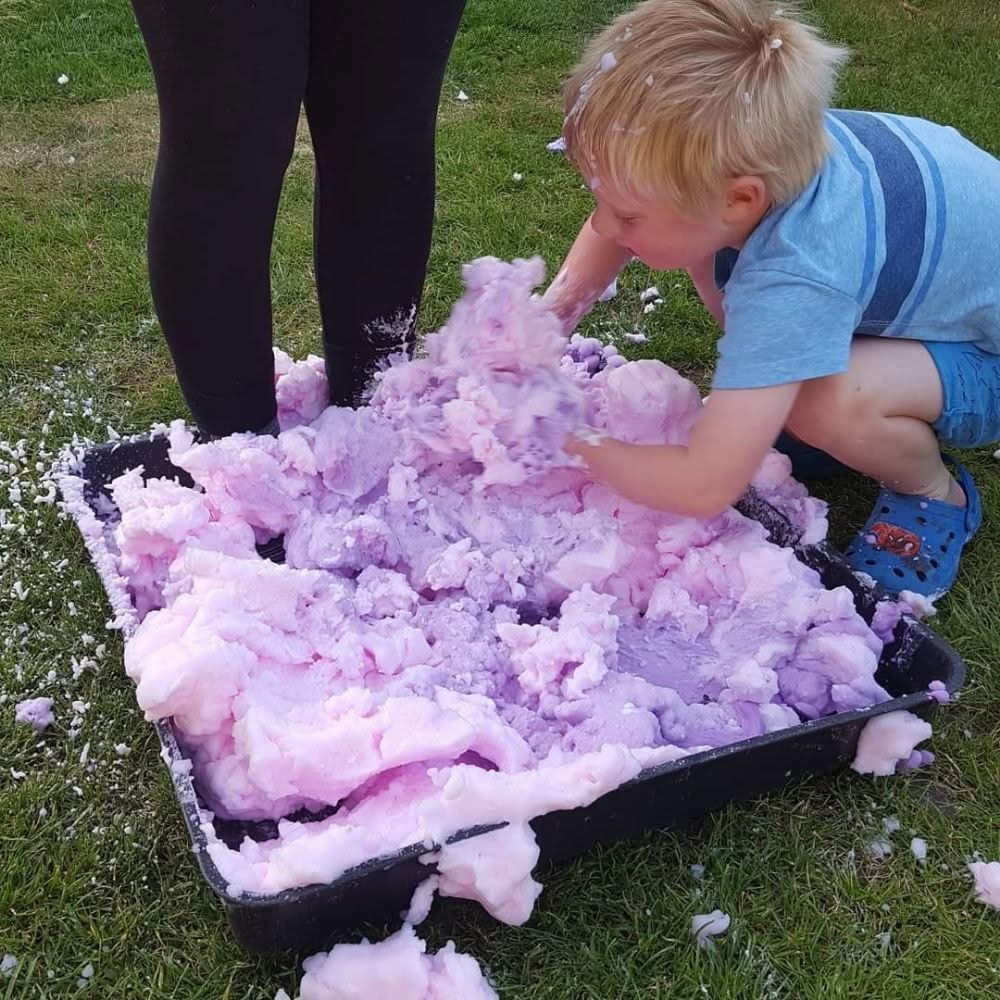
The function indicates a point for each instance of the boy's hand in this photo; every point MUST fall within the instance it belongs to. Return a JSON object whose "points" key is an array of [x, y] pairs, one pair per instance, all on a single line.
{"points": [[733, 434], [592, 263]]}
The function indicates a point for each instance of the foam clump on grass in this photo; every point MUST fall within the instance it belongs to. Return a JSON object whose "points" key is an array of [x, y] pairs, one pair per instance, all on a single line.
{"points": [[706, 926], [987, 882], [888, 743], [35, 712], [398, 967]]}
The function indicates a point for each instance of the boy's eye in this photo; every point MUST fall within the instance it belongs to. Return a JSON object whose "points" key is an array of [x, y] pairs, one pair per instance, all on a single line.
{"points": [[628, 220]]}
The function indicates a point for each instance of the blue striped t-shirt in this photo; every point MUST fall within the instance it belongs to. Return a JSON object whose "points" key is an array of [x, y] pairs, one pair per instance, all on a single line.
{"points": [[897, 235]]}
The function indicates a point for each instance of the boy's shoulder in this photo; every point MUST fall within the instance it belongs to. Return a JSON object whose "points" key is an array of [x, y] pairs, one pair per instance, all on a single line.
{"points": [[885, 180]]}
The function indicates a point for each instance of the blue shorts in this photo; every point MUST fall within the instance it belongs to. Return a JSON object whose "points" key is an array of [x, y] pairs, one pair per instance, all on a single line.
{"points": [[970, 378]]}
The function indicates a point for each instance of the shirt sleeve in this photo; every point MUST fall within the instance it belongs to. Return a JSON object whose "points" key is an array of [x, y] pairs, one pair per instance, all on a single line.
{"points": [[782, 327]]}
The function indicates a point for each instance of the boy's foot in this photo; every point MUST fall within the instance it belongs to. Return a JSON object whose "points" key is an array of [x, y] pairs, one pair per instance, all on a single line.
{"points": [[915, 543], [808, 462]]}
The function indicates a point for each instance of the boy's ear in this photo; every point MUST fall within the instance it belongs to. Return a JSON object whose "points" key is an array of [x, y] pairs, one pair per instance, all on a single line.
{"points": [[746, 200]]}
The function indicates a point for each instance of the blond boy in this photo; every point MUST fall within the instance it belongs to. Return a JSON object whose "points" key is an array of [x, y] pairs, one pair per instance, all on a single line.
{"points": [[848, 256]]}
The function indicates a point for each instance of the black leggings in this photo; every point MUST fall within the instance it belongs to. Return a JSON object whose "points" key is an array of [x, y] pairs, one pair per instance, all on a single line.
{"points": [[231, 76]]}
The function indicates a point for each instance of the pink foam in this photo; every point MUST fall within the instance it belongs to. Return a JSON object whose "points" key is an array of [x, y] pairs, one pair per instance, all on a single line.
{"points": [[35, 712], [987, 879], [706, 926], [397, 967], [495, 870], [888, 741], [466, 629]]}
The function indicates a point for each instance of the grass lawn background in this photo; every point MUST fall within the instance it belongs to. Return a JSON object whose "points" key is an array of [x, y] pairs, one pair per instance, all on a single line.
{"points": [[94, 862]]}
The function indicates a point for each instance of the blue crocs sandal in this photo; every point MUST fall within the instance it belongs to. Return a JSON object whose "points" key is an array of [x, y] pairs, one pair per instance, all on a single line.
{"points": [[808, 462], [915, 543]]}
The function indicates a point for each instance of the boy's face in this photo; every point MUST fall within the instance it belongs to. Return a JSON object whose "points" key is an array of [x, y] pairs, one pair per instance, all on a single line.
{"points": [[657, 232]]}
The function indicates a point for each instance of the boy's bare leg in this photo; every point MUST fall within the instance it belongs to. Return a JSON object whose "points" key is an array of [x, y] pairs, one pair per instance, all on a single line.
{"points": [[876, 417]]}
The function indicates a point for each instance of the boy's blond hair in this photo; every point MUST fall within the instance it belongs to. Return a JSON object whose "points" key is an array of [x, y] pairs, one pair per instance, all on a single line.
{"points": [[676, 97]]}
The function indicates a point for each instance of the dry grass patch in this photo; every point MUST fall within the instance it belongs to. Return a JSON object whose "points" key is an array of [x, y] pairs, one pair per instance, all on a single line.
{"points": [[51, 144]]}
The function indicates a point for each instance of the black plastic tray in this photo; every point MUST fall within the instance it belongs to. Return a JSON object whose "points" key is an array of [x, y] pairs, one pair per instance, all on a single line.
{"points": [[312, 918]]}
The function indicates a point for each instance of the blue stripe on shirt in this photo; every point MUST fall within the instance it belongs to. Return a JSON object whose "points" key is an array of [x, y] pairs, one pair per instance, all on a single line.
{"points": [[940, 219], [869, 200], [905, 200]]}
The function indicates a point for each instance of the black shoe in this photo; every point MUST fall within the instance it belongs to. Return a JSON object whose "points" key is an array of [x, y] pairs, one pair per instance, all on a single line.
{"points": [[273, 550]]}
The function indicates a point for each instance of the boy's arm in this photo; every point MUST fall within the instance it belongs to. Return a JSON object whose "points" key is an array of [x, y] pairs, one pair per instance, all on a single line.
{"points": [[592, 263], [733, 434], [703, 276]]}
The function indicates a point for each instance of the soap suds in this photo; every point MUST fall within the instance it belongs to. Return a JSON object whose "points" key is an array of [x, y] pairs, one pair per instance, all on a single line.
{"points": [[880, 848], [398, 968], [612, 290], [475, 631], [987, 882], [939, 692], [706, 926], [35, 712], [889, 741]]}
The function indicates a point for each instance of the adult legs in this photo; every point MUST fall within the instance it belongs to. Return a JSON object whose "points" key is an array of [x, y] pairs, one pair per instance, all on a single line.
{"points": [[230, 79], [375, 76]]}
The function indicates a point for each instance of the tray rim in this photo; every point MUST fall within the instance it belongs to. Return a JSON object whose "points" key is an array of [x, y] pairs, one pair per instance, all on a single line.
{"points": [[72, 485], [382, 862]]}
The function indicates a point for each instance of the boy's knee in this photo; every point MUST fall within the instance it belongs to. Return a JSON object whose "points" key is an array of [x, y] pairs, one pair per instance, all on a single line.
{"points": [[829, 409]]}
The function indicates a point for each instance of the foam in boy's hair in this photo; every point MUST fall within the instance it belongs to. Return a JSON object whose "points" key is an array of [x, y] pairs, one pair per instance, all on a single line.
{"points": [[676, 97]]}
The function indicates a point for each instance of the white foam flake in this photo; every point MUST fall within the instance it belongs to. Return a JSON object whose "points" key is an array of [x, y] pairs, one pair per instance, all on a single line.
{"points": [[880, 848], [706, 926], [609, 293]]}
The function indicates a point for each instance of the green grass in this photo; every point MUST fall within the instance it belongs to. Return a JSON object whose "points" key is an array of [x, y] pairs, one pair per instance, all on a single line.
{"points": [[105, 876]]}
